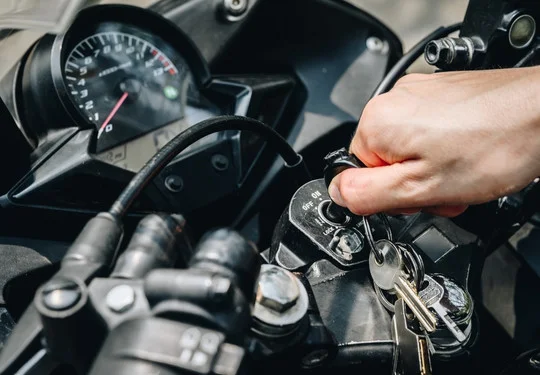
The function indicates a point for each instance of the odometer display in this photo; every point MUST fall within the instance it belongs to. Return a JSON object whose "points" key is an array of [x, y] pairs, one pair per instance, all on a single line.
{"points": [[126, 83]]}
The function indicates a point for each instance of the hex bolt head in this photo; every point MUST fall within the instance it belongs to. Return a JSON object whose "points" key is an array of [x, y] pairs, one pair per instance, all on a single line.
{"points": [[120, 298], [277, 288]]}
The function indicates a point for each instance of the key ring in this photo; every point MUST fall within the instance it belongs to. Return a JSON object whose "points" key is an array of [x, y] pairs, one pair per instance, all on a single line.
{"points": [[383, 300], [415, 264], [369, 235]]}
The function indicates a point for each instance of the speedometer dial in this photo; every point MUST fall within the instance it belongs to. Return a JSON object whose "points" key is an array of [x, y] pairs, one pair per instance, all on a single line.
{"points": [[125, 83]]}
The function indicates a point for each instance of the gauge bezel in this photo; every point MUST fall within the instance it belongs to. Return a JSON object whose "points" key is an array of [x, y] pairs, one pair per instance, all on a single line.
{"points": [[46, 103]]}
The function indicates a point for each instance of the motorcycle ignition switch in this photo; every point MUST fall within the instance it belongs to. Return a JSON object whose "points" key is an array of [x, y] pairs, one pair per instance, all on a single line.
{"points": [[336, 162]]}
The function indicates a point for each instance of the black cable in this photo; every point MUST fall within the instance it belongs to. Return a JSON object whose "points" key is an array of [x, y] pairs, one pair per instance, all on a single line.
{"points": [[407, 59], [183, 140]]}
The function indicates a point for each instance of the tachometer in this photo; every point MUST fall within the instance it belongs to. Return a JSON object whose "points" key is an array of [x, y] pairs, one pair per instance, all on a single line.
{"points": [[124, 71], [125, 84]]}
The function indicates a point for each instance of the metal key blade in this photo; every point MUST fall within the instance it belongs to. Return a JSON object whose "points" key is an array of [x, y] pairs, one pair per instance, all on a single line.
{"points": [[450, 324], [412, 354], [425, 317], [432, 296]]}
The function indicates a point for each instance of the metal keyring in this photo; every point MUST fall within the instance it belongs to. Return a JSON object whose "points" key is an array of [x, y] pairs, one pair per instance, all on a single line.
{"points": [[379, 257], [369, 235], [383, 300], [387, 227]]}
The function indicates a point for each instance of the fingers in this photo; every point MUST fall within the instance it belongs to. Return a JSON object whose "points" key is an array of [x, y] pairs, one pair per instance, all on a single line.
{"points": [[445, 211], [403, 211], [392, 189], [366, 191]]}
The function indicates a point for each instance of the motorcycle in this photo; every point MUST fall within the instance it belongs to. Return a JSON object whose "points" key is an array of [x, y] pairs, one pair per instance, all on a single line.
{"points": [[165, 207]]}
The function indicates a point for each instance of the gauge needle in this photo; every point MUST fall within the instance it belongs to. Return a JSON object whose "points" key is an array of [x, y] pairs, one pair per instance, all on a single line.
{"points": [[113, 112]]}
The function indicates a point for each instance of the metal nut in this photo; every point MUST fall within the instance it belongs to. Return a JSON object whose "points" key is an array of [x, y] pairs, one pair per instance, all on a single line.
{"points": [[277, 288], [120, 298]]}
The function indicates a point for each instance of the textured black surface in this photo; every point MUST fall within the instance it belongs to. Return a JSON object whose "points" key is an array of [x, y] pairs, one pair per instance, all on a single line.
{"points": [[6, 325], [351, 311], [20, 256]]}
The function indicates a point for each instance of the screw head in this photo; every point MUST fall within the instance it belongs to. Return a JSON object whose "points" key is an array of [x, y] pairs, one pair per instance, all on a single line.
{"points": [[277, 288], [174, 183], [220, 162], [235, 8], [375, 44], [120, 298], [61, 294]]}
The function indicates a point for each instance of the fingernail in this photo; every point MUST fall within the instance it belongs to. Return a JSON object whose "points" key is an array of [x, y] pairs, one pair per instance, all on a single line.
{"points": [[335, 194]]}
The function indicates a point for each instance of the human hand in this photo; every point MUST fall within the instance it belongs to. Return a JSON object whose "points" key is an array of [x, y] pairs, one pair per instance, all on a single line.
{"points": [[440, 142]]}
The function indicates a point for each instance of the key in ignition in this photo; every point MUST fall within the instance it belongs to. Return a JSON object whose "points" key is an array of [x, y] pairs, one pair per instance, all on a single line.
{"points": [[336, 162]]}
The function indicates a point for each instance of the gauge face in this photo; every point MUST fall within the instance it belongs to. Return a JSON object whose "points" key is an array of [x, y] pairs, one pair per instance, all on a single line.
{"points": [[126, 83]]}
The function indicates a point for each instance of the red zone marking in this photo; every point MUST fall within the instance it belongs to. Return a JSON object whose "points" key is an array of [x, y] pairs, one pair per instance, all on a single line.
{"points": [[166, 64]]}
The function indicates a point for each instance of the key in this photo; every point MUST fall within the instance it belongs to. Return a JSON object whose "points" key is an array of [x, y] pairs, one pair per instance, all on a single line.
{"points": [[411, 355], [431, 295], [390, 275], [425, 317], [384, 274]]}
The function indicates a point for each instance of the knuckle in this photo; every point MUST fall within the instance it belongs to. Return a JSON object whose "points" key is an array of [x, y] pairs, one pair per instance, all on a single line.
{"points": [[377, 117], [372, 109]]}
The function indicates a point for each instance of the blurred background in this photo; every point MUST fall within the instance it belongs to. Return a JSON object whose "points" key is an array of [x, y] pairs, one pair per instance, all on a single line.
{"points": [[411, 20]]}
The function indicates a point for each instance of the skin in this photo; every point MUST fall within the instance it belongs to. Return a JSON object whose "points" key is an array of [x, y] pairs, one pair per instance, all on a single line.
{"points": [[440, 142]]}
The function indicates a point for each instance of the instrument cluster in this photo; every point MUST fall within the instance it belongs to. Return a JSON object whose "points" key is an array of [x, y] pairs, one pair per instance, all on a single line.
{"points": [[133, 78]]}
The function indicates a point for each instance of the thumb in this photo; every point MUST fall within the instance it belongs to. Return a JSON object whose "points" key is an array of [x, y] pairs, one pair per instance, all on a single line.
{"points": [[365, 191]]}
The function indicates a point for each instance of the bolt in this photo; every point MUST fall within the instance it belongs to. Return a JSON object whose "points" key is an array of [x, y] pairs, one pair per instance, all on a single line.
{"points": [[120, 298], [174, 183], [433, 52], [235, 8], [61, 294], [449, 52], [277, 289], [375, 44], [220, 162]]}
